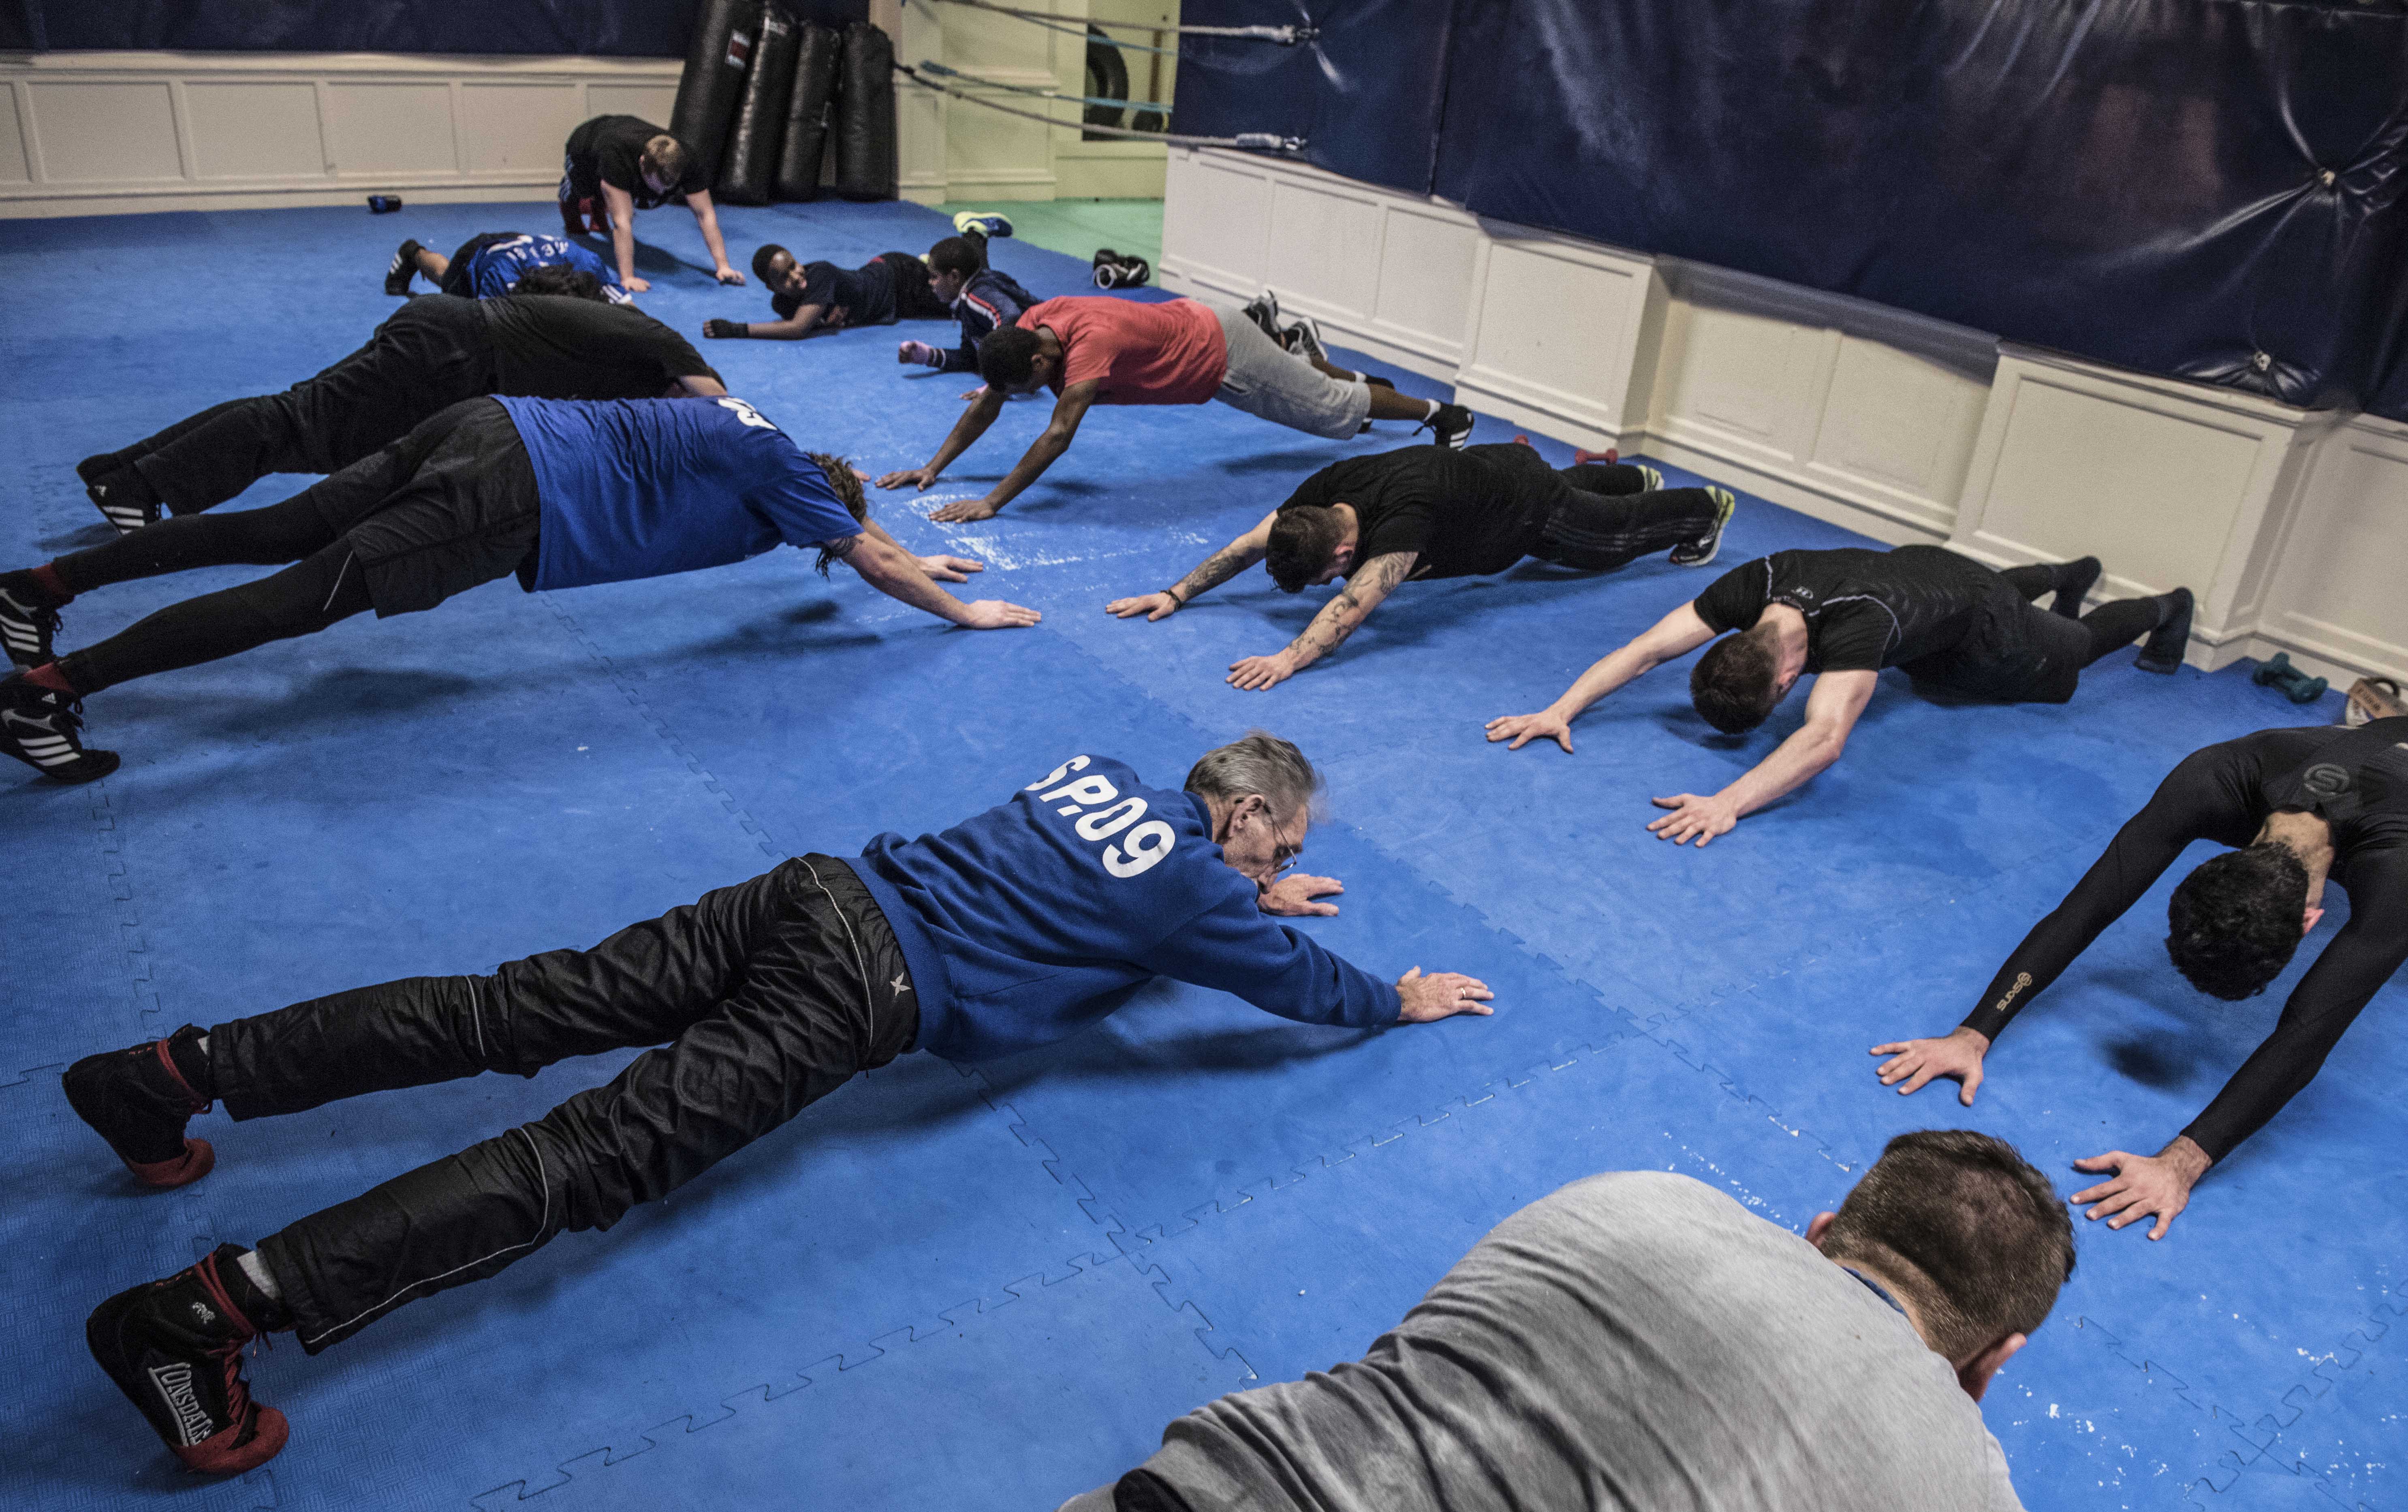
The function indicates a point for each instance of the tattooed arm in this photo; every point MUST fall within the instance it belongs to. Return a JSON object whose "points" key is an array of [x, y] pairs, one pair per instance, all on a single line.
{"points": [[1217, 569], [1374, 581]]}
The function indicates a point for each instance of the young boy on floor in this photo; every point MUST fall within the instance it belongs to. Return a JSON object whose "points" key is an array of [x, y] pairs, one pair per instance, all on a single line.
{"points": [[985, 299], [819, 298]]}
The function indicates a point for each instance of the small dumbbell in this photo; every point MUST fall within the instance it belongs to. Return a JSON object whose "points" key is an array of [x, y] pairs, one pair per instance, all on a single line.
{"points": [[2279, 673]]}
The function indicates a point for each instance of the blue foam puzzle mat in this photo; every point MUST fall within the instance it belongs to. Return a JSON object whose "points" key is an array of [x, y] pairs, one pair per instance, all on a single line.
{"points": [[994, 1286]]}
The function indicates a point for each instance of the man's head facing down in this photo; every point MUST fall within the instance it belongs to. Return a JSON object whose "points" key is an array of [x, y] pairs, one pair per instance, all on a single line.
{"points": [[953, 263], [847, 485], [1015, 361], [1308, 547], [1262, 793], [2234, 921], [664, 162], [1736, 685], [1971, 1237]]}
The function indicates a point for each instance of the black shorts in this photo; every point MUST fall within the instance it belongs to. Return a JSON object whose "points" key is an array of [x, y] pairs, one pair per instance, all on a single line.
{"points": [[2013, 652], [449, 505]]}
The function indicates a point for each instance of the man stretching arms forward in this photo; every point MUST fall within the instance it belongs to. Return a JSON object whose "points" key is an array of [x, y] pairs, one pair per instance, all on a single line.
{"points": [[1015, 928], [1840, 617]]}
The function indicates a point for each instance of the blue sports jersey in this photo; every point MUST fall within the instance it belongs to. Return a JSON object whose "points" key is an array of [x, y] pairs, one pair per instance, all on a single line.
{"points": [[1030, 921], [642, 488], [496, 269]]}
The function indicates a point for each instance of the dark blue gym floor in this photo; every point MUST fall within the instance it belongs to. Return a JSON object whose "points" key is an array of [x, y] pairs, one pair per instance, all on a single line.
{"points": [[943, 1288]]}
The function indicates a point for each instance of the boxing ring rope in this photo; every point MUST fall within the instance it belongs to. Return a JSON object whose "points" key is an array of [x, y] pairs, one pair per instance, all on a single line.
{"points": [[1286, 36], [1251, 141]]}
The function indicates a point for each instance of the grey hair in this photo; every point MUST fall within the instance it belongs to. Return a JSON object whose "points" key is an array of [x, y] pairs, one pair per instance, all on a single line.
{"points": [[1263, 764]]}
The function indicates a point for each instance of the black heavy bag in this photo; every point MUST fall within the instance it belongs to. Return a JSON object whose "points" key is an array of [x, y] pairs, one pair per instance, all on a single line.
{"points": [[808, 108], [713, 80], [750, 160], [865, 115]]}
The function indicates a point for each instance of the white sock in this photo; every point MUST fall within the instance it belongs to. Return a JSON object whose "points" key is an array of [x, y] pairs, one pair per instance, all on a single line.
{"points": [[256, 1269], [1431, 413], [202, 1044]]}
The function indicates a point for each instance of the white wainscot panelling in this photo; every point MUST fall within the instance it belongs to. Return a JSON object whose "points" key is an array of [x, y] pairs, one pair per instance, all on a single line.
{"points": [[91, 132], [520, 127], [989, 155], [243, 129], [1320, 244], [2166, 483], [379, 129], [1864, 416], [1427, 257], [99, 131], [1216, 212], [1554, 327], [2339, 599]]}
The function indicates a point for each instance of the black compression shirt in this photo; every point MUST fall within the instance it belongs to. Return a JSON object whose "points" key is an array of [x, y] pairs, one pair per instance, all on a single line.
{"points": [[1463, 513], [557, 346], [610, 150], [2224, 793], [1865, 609]]}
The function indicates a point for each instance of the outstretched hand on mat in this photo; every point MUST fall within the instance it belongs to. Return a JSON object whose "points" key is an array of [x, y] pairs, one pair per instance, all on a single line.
{"points": [[962, 509], [1918, 1060], [921, 478], [1440, 996], [1295, 894], [1702, 816], [1152, 605], [949, 569], [1522, 728], [1256, 673], [2143, 1185], [994, 614]]}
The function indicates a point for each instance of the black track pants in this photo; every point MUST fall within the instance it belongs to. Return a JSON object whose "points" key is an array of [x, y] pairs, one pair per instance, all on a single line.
{"points": [[769, 996], [431, 353], [1599, 530]]}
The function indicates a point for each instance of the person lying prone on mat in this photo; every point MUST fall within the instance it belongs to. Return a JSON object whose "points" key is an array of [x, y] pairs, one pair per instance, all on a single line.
{"points": [[820, 298], [1014, 929], [492, 264], [1839, 617], [1424, 511], [559, 495], [2297, 806], [1097, 349], [985, 299], [1641, 1340], [557, 339]]}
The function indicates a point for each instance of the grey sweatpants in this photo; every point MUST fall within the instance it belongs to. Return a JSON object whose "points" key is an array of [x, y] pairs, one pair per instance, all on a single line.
{"points": [[1272, 384]]}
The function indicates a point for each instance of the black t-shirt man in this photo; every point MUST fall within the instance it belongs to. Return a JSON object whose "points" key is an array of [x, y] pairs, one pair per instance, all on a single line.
{"points": [[1865, 609], [889, 287], [610, 150], [551, 347], [1464, 513]]}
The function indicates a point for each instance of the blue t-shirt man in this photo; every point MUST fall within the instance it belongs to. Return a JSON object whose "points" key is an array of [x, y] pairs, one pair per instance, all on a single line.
{"points": [[1027, 923], [643, 487], [496, 268]]}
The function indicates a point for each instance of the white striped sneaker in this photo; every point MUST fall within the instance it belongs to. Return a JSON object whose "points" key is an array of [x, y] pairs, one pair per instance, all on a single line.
{"points": [[39, 726], [1698, 553], [121, 512], [1652, 478], [27, 627]]}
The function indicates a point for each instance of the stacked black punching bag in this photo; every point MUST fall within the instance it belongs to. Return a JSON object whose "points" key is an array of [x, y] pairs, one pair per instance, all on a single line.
{"points": [[808, 108], [749, 165], [713, 80], [865, 115]]}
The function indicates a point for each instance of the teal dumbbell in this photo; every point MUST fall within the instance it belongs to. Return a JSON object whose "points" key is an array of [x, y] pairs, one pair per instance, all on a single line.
{"points": [[2294, 684]]}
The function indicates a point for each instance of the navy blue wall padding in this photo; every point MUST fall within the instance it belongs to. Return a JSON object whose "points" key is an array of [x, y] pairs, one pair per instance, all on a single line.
{"points": [[1364, 95], [588, 28], [2141, 182]]}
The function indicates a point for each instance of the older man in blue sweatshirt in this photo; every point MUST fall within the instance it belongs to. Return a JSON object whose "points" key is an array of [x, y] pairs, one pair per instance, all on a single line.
{"points": [[1015, 928]]}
